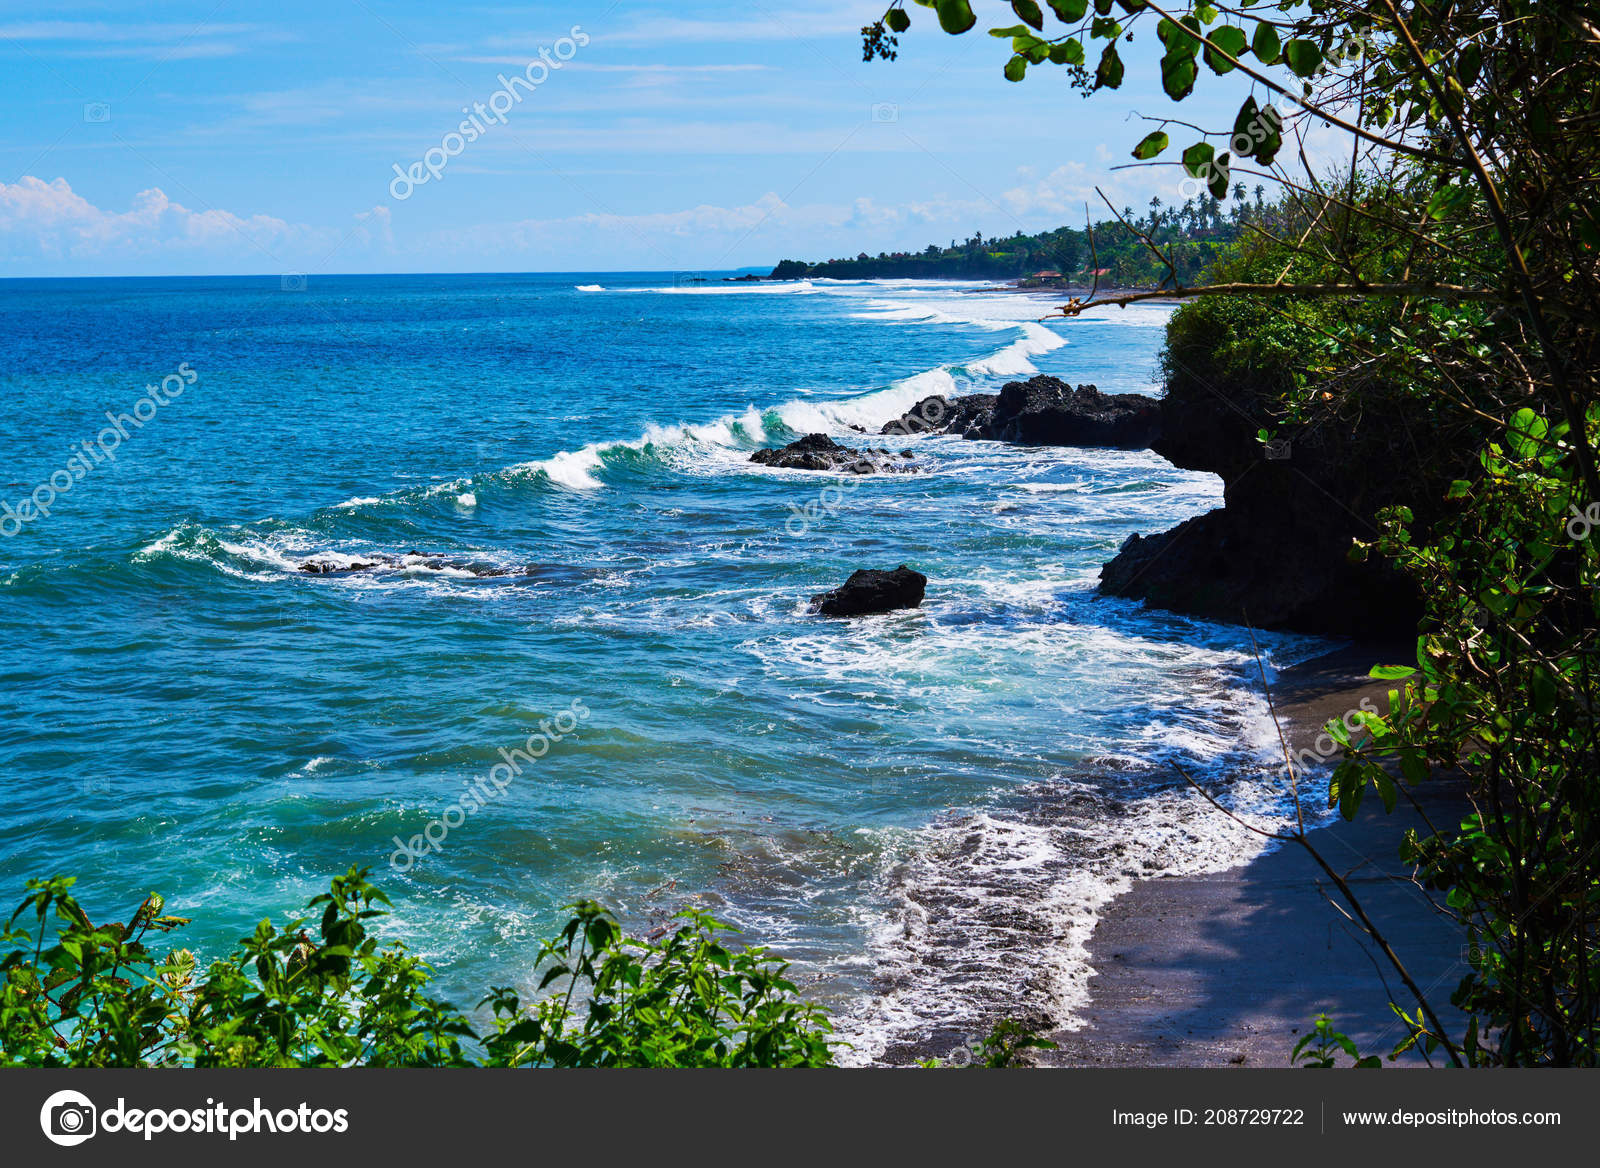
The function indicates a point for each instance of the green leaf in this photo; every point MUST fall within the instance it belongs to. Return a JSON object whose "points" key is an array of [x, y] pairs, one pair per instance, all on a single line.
{"points": [[1068, 52], [1413, 766], [1177, 38], [955, 16], [1028, 12], [1347, 788], [1069, 11], [1178, 74], [1265, 44], [1016, 68], [1242, 142], [1197, 159], [897, 19], [1151, 145], [1302, 56], [1391, 672], [1109, 74], [1230, 40], [1219, 178], [1386, 790], [1267, 134], [1447, 200], [1035, 50], [1527, 432]]}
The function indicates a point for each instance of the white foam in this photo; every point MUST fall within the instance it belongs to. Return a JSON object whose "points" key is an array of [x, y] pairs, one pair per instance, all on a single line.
{"points": [[590, 288], [570, 468], [869, 411], [740, 288], [1012, 361]]}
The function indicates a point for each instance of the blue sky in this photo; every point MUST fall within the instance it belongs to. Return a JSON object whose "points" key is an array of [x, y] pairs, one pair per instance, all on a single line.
{"points": [[226, 137]]}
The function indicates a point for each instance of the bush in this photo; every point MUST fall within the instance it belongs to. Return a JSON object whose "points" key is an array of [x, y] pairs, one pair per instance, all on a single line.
{"points": [[99, 997]]}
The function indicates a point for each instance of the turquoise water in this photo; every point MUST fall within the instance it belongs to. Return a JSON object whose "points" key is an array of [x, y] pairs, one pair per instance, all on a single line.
{"points": [[185, 708]]}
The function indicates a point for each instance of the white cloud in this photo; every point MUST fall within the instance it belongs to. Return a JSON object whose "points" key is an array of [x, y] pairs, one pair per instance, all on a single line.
{"points": [[49, 220]]}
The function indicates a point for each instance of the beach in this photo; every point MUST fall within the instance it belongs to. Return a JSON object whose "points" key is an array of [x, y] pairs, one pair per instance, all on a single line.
{"points": [[1231, 968]]}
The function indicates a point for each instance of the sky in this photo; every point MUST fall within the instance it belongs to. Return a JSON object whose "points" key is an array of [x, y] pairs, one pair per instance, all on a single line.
{"points": [[170, 137]]}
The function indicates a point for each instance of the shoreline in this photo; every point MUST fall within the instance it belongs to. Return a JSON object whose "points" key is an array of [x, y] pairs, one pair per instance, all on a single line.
{"points": [[1231, 968]]}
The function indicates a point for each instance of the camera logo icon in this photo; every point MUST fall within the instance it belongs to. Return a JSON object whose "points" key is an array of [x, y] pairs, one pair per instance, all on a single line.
{"points": [[68, 1118], [97, 111], [1279, 449], [884, 112], [292, 282]]}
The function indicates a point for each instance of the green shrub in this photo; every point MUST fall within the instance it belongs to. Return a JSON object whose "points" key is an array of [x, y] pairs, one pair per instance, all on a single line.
{"points": [[97, 995]]}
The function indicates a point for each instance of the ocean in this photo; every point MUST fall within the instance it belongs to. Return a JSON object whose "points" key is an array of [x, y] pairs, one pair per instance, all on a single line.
{"points": [[554, 643]]}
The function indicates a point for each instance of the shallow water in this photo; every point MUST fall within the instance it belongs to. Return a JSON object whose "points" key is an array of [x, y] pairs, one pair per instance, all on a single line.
{"points": [[552, 473]]}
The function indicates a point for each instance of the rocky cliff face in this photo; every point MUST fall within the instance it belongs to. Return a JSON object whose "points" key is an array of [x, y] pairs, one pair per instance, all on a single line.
{"points": [[1276, 555]]}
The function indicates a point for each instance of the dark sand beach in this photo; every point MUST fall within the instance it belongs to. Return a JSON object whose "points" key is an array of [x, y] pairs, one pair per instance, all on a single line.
{"points": [[1231, 968]]}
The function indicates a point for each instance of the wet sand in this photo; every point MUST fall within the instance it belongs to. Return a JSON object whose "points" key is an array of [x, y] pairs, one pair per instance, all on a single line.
{"points": [[1231, 968]]}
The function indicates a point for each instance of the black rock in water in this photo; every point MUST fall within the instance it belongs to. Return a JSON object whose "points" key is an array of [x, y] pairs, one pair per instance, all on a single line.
{"points": [[870, 590], [819, 452], [1042, 411]]}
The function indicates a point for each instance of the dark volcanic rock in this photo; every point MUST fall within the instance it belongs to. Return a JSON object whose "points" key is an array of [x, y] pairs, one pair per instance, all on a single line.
{"points": [[870, 590], [1042, 411], [1277, 554], [946, 415], [819, 452]]}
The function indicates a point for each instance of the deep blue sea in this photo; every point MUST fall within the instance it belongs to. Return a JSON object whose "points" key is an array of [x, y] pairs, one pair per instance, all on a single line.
{"points": [[575, 559]]}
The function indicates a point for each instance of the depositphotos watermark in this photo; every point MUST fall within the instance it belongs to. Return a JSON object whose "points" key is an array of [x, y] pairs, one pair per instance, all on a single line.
{"points": [[69, 1118], [1310, 757], [479, 793], [91, 453], [482, 115]]}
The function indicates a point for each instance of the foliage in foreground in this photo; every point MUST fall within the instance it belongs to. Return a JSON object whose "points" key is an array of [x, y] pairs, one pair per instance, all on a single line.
{"points": [[1322, 1045], [331, 996], [1005, 1048]]}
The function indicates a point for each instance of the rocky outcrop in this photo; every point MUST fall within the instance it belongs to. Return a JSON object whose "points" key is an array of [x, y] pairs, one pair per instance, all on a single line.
{"points": [[1277, 554], [870, 590], [967, 416], [1042, 411], [819, 452]]}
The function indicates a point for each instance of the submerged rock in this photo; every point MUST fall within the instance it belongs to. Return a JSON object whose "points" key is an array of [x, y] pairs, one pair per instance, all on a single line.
{"points": [[1042, 411], [870, 590], [381, 562], [819, 452]]}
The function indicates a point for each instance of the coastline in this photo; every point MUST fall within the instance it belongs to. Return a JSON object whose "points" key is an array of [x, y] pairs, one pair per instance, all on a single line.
{"points": [[1232, 967]]}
